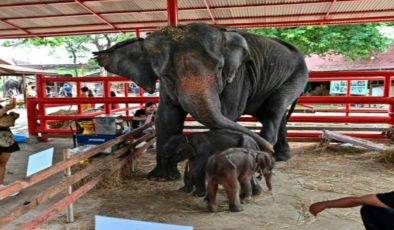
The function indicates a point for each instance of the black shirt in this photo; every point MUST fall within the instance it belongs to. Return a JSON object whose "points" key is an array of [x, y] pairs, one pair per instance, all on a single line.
{"points": [[139, 113], [387, 198]]}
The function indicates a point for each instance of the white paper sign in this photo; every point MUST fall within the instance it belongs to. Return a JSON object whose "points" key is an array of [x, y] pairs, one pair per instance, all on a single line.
{"points": [[105, 223], [39, 161]]}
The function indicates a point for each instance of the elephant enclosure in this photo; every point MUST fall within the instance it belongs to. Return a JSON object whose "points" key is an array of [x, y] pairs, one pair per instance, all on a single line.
{"points": [[311, 175]]}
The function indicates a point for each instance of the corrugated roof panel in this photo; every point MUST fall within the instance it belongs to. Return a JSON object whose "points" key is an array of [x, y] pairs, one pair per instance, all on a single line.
{"points": [[65, 29], [363, 15], [10, 32], [58, 22], [42, 10], [132, 5], [363, 5], [122, 26], [152, 16], [191, 3], [217, 3], [194, 14], [8, 2]]}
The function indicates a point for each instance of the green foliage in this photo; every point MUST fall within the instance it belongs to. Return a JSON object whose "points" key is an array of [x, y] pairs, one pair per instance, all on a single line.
{"points": [[351, 41], [76, 46]]}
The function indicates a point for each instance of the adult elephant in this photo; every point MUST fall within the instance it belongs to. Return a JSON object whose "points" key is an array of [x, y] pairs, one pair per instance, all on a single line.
{"points": [[216, 75], [12, 84]]}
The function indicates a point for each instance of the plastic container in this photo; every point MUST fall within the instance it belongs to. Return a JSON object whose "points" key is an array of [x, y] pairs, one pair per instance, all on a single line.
{"points": [[20, 138]]}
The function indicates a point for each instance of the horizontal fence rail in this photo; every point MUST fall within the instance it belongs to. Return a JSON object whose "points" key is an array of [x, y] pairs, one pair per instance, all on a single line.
{"points": [[306, 111]]}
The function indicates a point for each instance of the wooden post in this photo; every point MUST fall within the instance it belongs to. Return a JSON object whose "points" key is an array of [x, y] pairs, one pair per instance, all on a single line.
{"points": [[69, 190]]}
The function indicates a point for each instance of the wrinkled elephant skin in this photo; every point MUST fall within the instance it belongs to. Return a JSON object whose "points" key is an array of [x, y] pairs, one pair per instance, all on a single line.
{"points": [[216, 75]]}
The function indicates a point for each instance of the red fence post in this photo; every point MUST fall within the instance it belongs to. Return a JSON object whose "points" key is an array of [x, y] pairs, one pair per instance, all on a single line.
{"points": [[41, 91], [31, 116], [387, 94]]}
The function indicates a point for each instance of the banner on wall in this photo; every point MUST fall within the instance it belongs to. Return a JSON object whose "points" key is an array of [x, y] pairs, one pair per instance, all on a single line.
{"points": [[357, 87]]}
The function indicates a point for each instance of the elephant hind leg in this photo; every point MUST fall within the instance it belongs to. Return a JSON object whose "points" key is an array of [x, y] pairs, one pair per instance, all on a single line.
{"points": [[232, 187], [211, 197]]}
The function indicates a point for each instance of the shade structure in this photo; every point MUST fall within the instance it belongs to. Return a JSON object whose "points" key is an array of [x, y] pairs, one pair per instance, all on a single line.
{"points": [[33, 18]]}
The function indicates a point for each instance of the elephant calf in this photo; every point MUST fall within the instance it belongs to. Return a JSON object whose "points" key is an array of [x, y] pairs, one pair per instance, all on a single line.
{"points": [[233, 169], [198, 148]]}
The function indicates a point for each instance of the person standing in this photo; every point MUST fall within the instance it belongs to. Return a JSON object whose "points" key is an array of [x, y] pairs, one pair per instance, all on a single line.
{"points": [[377, 211], [8, 144]]}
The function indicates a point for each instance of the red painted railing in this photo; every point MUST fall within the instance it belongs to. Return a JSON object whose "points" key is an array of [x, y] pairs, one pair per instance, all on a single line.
{"points": [[340, 115]]}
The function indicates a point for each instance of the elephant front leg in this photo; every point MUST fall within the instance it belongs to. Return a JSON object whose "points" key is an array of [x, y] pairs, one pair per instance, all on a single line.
{"points": [[169, 122], [232, 188], [246, 189]]}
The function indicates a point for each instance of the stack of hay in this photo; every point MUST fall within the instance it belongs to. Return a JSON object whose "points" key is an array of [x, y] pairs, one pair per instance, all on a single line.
{"points": [[61, 124]]}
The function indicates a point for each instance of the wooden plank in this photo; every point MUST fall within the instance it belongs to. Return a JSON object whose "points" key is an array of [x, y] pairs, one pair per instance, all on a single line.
{"points": [[327, 134], [42, 175], [60, 205], [52, 191]]}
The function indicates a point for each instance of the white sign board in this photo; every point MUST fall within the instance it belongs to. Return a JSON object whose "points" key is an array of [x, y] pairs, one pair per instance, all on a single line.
{"points": [[39, 161], [357, 87], [105, 223]]}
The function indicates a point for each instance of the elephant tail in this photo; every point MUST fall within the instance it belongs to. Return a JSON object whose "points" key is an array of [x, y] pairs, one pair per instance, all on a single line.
{"points": [[291, 110]]}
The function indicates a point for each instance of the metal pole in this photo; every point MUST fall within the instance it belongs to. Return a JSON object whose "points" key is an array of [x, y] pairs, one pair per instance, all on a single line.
{"points": [[172, 12]]}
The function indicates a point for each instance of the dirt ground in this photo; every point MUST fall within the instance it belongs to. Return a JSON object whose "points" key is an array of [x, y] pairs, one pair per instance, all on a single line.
{"points": [[313, 174]]}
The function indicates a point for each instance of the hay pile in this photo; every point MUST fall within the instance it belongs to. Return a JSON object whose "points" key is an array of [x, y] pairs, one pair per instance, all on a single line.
{"points": [[61, 124]]}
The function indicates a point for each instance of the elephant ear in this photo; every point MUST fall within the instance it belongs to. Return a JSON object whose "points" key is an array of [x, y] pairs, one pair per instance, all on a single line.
{"points": [[236, 52], [129, 59]]}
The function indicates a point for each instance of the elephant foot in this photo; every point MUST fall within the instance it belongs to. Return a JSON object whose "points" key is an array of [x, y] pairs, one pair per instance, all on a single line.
{"points": [[158, 173], [282, 157], [282, 153], [173, 173], [163, 173], [199, 193], [186, 189], [212, 207], [236, 208]]}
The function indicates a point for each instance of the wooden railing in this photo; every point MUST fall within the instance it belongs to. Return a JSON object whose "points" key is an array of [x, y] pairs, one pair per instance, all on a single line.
{"points": [[102, 168]]}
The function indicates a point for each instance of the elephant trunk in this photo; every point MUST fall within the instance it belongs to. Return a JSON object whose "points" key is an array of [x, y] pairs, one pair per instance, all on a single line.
{"points": [[199, 97]]}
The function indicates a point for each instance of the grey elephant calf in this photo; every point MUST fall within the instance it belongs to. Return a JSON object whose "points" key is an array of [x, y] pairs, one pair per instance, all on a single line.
{"points": [[234, 169], [198, 148]]}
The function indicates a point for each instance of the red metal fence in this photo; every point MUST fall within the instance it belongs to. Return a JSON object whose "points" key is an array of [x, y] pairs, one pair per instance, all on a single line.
{"points": [[346, 114]]}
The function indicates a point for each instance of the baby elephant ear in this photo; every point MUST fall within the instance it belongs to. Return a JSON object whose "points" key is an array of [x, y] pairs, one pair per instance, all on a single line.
{"points": [[236, 52]]}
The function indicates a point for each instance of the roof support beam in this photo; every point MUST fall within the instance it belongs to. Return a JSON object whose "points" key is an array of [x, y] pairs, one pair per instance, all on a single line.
{"points": [[15, 27], [172, 12], [328, 11], [94, 13], [209, 11]]}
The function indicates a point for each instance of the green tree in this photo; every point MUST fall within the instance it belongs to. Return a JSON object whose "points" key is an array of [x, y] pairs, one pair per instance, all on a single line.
{"points": [[76, 46], [351, 41]]}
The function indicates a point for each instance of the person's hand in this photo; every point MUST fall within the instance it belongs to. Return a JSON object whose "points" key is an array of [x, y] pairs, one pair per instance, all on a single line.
{"points": [[316, 208], [9, 106]]}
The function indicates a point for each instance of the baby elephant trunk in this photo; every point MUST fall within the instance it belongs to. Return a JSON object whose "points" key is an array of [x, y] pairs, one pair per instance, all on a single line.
{"points": [[267, 177]]}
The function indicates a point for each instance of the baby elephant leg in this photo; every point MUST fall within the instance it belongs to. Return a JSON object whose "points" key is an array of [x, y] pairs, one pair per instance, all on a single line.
{"points": [[232, 188], [187, 180], [212, 190], [246, 189]]}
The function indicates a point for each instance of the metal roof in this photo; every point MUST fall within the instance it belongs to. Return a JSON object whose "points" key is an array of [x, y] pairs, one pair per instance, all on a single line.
{"points": [[40, 18]]}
